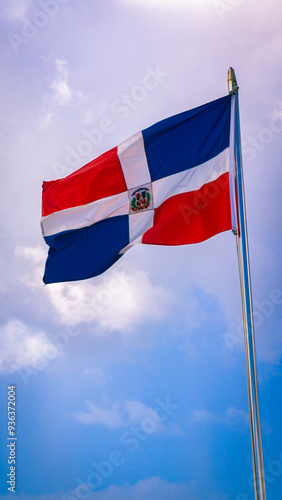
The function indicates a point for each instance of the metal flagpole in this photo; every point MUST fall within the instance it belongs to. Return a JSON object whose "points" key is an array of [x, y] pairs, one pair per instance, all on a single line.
{"points": [[246, 296]]}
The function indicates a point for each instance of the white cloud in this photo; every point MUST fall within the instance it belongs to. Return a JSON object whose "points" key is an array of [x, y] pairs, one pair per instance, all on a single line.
{"points": [[46, 121], [237, 415], [202, 415], [16, 10], [110, 417], [34, 257], [26, 138], [120, 301], [230, 416], [147, 489], [98, 376], [22, 348], [36, 254], [167, 3], [59, 95], [100, 109], [62, 93], [118, 415]]}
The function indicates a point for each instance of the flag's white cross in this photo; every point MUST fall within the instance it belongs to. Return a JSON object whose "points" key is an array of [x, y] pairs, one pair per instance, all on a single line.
{"points": [[133, 161]]}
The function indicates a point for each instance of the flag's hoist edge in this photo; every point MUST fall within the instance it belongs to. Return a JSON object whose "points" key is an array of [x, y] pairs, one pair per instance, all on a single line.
{"points": [[177, 170]]}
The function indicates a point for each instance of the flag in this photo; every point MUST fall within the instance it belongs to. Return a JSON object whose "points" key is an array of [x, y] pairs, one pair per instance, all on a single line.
{"points": [[166, 185]]}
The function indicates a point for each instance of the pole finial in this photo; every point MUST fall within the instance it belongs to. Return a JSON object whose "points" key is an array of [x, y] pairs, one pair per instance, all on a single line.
{"points": [[231, 81]]}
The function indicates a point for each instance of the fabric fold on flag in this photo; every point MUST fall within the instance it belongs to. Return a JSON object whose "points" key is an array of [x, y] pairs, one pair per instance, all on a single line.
{"points": [[166, 185]]}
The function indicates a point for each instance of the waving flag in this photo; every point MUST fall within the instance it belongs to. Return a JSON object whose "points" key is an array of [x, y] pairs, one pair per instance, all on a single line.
{"points": [[166, 185]]}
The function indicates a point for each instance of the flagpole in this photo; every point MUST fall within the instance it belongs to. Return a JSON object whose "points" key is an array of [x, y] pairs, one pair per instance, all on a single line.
{"points": [[246, 299]]}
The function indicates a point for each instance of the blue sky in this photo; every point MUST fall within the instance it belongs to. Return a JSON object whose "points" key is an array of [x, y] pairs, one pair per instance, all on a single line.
{"points": [[132, 385]]}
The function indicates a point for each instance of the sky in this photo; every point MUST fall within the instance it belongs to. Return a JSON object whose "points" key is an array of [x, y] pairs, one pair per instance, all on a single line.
{"points": [[132, 385]]}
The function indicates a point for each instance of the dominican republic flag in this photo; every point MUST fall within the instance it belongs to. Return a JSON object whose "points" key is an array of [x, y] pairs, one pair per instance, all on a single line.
{"points": [[167, 185]]}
